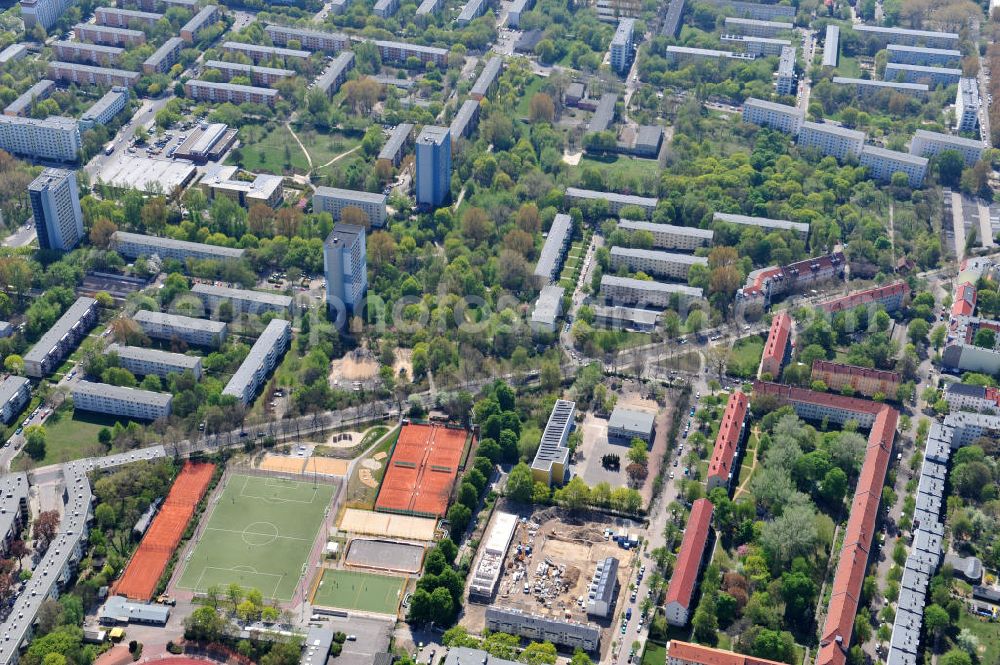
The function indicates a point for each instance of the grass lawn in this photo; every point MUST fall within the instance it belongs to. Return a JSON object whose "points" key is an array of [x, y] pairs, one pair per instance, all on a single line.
{"points": [[350, 590], [73, 435], [848, 66], [622, 165], [654, 654], [524, 105], [746, 357], [988, 634], [360, 495], [265, 151], [258, 535]]}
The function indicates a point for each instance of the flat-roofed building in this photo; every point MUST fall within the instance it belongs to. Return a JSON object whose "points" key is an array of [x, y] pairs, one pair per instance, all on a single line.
{"points": [[882, 36], [683, 55], [125, 18], [55, 206], [883, 163], [134, 245], [335, 75], [483, 584], [14, 513], [757, 10], [472, 10], [931, 144], [57, 342], [778, 346], [261, 76], [102, 34], [121, 400], [517, 8], [616, 202], [433, 166], [687, 568], [626, 318], [333, 200], [668, 236], [164, 57], [831, 46], [13, 53], [604, 113], [603, 588], [672, 19], [967, 105], [655, 262], [781, 117], [54, 138], [861, 380], [313, 40], [142, 361], [207, 142], [554, 250], [622, 48], [27, 100], [784, 78], [465, 121], [757, 46], [933, 76], [548, 308], [96, 54], [798, 228], [755, 28], [644, 293], [264, 188], [106, 108], [399, 138], [613, 11], [242, 300], [400, 52], [42, 12], [866, 87], [428, 7], [70, 72], [624, 425], [259, 53], [919, 55], [726, 452], [260, 362], [648, 140], [170, 327], [552, 456], [205, 91], [206, 16], [562, 632], [385, 8], [15, 391], [487, 80], [831, 140], [345, 265]]}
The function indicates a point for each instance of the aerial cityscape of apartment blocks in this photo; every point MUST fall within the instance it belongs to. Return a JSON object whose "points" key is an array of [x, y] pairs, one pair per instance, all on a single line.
{"points": [[142, 361], [258, 53], [345, 265], [428, 7], [784, 82], [104, 109], [616, 202], [883, 163], [55, 138], [759, 11], [883, 36], [169, 327], [260, 362], [124, 18], [100, 34], [472, 10], [933, 76], [680, 592], [229, 92], [15, 391], [392, 149], [655, 262], [465, 121], [967, 105], [799, 228], [486, 82], [42, 12], [621, 45], [778, 346], [207, 15], [313, 40], [23, 105], [336, 73], [91, 75], [757, 46], [385, 8], [57, 342], [890, 297], [134, 245], [550, 259], [864, 87], [682, 55], [668, 236], [918, 55], [517, 8], [930, 144], [831, 45], [97, 54], [646, 293], [121, 400], [259, 76], [549, 463], [55, 205], [725, 454], [164, 57], [831, 140], [754, 27], [861, 380], [333, 200], [611, 11], [399, 52], [242, 301], [781, 117]]}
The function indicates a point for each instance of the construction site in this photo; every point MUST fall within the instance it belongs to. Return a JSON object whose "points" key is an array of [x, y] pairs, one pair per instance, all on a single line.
{"points": [[548, 568]]}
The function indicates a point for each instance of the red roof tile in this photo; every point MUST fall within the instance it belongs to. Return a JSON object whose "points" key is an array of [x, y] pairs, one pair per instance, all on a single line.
{"points": [[852, 300], [796, 394], [965, 300], [696, 653], [854, 370], [777, 343], [729, 436], [688, 564]]}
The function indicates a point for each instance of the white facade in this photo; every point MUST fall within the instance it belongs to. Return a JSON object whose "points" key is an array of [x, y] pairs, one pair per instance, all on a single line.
{"points": [[134, 245], [199, 332], [334, 200], [929, 144], [616, 202], [831, 140], [883, 163], [784, 82], [345, 265], [621, 45], [55, 204], [655, 263], [967, 105], [243, 301], [121, 401], [784, 118], [55, 138], [15, 391], [260, 362], [754, 27], [895, 71], [142, 361], [668, 236], [42, 12], [622, 290]]}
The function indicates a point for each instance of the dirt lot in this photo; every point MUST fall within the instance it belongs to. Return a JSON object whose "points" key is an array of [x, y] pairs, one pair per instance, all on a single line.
{"points": [[564, 554], [359, 365]]}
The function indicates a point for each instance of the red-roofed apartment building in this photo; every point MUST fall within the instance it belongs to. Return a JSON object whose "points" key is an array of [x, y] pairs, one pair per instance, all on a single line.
{"points": [[777, 346], [835, 638], [688, 567], [861, 380], [686, 653], [965, 300], [727, 443], [890, 296]]}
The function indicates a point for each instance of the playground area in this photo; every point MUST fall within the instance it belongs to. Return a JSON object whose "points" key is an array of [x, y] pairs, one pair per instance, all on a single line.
{"points": [[143, 572], [259, 535], [364, 592]]}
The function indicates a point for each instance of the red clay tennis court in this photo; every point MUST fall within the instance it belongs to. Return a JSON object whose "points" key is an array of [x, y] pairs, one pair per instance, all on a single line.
{"points": [[422, 471], [138, 582]]}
